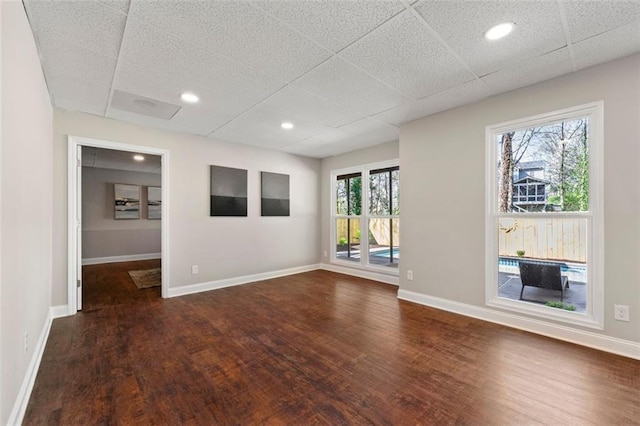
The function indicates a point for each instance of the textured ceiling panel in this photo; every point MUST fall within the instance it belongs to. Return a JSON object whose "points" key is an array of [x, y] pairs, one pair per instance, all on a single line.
{"points": [[589, 18], [462, 25], [78, 79], [159, 65], [261, 127], [353, 136], [236, 30], [87, 24], [614, 44], [333, 23], [406, 55], [296, 104], [345, 84], [188, 119], [119, 160], [120, 5], [526, 73], [460, 95]]}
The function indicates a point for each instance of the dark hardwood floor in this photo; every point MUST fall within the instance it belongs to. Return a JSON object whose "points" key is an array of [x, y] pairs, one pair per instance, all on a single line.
{"points": [[318, 348], [109, 284]]}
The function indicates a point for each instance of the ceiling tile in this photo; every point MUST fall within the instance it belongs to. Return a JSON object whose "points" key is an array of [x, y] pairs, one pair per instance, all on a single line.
{"points": [[526, 73], [236, 30], [406, 55], [345, 84], [614, 44], [78, 79], [159, 65], [119, 160], [261, 127], [589, 18], [294, 104], [366, 132], [87, 24], [469, 92], [187, 120], [120, 5], [333, 23], [462, 25]]}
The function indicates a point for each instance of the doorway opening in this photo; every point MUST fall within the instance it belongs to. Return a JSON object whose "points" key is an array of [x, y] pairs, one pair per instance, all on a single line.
{"points": [[118, 223]]}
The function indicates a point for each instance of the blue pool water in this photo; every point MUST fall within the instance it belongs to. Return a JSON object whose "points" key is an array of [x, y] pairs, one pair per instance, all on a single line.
{"points": [[385, 253], [563, 266]]}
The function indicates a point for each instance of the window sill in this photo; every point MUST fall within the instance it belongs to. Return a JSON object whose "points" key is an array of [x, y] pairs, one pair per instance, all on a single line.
{"points": [[393, 272], [567, 317]]}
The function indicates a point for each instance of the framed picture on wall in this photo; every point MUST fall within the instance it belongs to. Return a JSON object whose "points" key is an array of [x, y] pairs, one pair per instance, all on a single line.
{"points": [[275, 194], [127, 201], [154, 202], [228, 195]]}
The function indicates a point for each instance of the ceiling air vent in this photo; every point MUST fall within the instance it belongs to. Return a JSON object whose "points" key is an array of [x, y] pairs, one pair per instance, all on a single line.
{"points": [[141, 105]]}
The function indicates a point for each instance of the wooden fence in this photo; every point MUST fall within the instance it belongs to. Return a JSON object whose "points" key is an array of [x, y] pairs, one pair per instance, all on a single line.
{"points": [[557, 239], [379, 228]]}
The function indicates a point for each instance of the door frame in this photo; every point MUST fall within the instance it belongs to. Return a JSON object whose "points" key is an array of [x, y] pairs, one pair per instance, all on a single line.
{"points": [[75, 204]]}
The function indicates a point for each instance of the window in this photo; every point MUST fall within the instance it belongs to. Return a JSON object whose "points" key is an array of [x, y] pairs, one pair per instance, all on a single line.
{"points": [[544, 216], [365, 220]]}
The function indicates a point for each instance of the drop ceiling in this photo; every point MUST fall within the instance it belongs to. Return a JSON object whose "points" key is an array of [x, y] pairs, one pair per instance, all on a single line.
{"points": [[113, 159], [346, 73]]}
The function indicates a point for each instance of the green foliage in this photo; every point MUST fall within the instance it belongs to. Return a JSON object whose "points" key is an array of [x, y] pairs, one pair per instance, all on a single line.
{"points": [[520, 253], [342, 241], [357, 236], [355, 192], [560, 305]]}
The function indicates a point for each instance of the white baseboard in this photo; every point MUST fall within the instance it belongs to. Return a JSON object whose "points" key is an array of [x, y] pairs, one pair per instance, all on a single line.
{"points": [[59, 311], [361, 273], [601, 342], [116, 259], [22, 400], [229, 282]]}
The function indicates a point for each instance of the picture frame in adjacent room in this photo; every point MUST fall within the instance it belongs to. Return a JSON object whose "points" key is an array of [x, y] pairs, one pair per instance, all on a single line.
{"points": [[154, 203], [228, 196], [275, 194], [126, 201]]}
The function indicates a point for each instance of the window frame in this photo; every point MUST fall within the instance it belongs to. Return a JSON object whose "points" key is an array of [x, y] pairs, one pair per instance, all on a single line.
{"points": [[593, 317], [364, 217]]}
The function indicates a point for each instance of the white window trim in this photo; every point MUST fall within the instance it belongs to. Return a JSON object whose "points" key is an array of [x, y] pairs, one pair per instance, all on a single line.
{"points": [[364, 248], [594, 315]]}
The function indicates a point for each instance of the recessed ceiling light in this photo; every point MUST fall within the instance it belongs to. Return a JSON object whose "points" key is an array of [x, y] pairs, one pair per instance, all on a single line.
{"points": [[138, 157], [287, 125], [499, 31], [189, 97]]}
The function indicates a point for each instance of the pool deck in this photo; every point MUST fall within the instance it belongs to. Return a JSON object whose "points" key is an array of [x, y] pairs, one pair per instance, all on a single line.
{"points": [[510, 286]]}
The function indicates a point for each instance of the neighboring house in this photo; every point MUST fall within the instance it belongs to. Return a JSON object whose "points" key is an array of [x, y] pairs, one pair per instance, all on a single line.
{"points": [[530, 189]]}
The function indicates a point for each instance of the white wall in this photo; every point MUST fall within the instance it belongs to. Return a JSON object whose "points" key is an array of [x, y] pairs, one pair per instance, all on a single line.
{"points": [[26, 190], [223, 247], [378, 153], [102, 234], [442, 166]]}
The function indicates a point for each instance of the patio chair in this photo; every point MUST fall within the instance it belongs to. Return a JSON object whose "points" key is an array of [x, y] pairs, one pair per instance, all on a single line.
{"points": [[542, 275]]}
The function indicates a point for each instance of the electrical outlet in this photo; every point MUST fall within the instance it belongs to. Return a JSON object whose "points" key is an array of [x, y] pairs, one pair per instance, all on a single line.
{"points": [[324, 253], [194, 269], [621, 312], [410, 275], [26, 342]]}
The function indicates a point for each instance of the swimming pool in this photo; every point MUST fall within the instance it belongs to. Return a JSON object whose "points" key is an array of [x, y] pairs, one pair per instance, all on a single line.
{"points": [[384, 252], [574, 271]]}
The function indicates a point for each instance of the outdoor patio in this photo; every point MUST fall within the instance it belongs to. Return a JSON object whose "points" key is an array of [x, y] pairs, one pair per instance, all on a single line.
{"points": [[510, 287]]}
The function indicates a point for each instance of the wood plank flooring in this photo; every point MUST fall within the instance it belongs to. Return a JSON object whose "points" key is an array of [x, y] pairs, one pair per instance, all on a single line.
{"points": [[318, 348], [109, 284]]}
